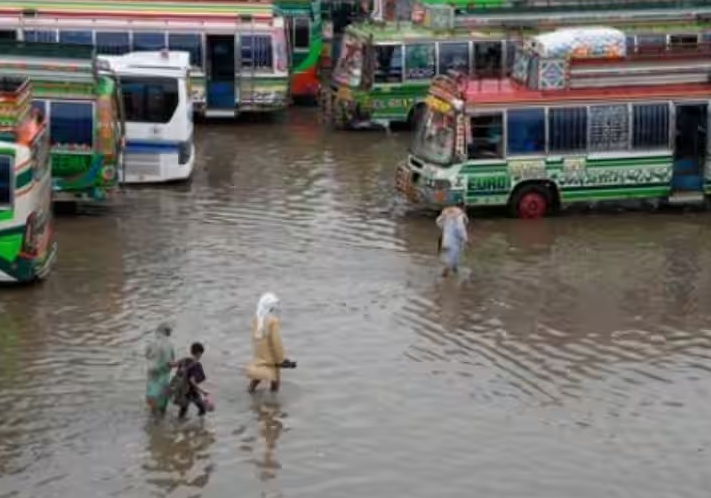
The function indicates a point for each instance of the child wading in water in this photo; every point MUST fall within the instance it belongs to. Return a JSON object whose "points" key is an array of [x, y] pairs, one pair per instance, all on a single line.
{"points": [[186, 383]]}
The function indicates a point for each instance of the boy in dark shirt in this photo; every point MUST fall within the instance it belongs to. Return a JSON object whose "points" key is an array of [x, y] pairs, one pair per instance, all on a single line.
{"points": [[193, 375]]}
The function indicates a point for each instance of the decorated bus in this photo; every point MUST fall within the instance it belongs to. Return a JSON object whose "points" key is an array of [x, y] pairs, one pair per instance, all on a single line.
{"points": [[385, 68], [582, 119], [27, 247], [238, 49], [83, 108], [305, 39]]}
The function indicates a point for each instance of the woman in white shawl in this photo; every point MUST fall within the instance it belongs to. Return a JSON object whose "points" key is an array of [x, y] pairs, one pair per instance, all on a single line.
{"points": [[160, 355], [267, 350], [453, 223]]}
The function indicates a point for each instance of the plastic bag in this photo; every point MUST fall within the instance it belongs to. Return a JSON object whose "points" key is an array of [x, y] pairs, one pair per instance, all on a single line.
{"points": [[209, 403]]}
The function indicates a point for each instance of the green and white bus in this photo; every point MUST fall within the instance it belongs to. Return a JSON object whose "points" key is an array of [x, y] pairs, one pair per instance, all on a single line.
{"points": [[385, 69], [580, 124], [81, 101], [27, 246]]}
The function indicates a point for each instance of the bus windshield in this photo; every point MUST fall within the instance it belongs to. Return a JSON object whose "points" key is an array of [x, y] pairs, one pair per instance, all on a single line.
{"points": [[349, 69], [149, 99], [434, 139]]}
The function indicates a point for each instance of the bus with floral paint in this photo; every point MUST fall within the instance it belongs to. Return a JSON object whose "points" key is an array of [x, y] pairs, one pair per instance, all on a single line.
{"points": [[27, 246], [81, 102], [237, 49], [385, 68], [581, 119]]}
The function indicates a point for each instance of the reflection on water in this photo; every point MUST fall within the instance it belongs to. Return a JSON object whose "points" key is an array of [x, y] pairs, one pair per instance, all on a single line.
{"points": [[179, 458], [568, 349]]}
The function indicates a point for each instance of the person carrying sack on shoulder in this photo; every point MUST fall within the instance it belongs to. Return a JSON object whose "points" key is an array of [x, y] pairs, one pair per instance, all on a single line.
{"points": [[268, 356]]}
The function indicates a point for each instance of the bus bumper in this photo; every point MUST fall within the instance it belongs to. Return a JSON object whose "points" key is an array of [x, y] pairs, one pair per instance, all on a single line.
{"points": [[345, 111], [412, 187]]}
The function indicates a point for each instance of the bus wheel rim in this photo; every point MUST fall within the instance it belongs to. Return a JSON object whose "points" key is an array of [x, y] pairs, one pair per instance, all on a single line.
{"points": [[532, 206]]}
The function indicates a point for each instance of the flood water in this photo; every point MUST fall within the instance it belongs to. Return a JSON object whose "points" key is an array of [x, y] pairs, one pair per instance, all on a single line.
{"points": [[572, 356]]}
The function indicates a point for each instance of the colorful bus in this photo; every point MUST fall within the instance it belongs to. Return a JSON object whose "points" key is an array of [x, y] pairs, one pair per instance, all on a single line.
{"points": [[305, 39], [385, 69], [83, 108], [238, 49], [27, 247], [582, 119]]}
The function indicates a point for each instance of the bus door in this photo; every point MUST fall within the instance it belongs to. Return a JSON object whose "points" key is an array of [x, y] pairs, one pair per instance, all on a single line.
{"points": [[690, 142], [221, 57]]}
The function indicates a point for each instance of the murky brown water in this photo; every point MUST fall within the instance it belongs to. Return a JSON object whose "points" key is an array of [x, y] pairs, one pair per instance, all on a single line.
{"points": [[572, 358]]}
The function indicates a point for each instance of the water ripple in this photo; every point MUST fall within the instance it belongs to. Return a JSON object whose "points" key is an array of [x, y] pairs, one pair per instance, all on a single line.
{"points": [[566, 350]]}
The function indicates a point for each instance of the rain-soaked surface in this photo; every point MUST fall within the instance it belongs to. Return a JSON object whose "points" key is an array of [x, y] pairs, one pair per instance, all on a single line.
{"points": [[572, 358]]}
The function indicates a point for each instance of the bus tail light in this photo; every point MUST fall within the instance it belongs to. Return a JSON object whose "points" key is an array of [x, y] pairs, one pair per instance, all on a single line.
{"points": [[29, 240]]}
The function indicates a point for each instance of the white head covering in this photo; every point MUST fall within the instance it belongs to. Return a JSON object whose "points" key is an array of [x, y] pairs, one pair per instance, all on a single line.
{"points": [[266, 306]]}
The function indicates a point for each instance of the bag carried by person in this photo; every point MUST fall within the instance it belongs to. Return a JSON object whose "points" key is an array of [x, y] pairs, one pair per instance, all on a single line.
{"points": [[209, 403], [179, 385]]}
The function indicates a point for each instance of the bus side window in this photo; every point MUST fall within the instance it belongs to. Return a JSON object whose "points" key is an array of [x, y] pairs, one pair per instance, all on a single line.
{"points": [[76, 37], [147, 42], [187, 42], [5, 180], [609, 128], [650, 126], [684, 42], [487, 59], [47, 36], [302, 33], [388, 63], [651, 44], [420, 61], [454, 57], [526, 131], [112, 42], [257, 51], [568, 129], [487, 137]]}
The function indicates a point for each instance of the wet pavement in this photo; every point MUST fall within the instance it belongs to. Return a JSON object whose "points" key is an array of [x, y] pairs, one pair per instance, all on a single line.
{"points": [[572, 357]]}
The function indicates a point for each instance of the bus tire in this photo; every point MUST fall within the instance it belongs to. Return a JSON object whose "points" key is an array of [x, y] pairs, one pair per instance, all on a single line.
{"points": [[531, 202], [415, 116]]}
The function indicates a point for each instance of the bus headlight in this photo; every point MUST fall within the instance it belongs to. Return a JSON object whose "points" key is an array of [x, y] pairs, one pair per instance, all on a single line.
{"points": [[185, 150]]}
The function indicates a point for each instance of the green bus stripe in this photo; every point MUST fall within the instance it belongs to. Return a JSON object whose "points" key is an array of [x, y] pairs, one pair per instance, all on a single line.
{"points": [[621, 187], [616, 193], [23, 178]]}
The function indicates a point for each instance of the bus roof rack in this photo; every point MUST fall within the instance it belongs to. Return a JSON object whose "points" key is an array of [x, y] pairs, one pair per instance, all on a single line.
{"points": [[449, 15]]}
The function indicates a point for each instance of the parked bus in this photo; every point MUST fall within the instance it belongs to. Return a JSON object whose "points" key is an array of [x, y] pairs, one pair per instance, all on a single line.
{"points": [[305, 40], [580, 120], [237, 49], [83, 107], [314, 31], [27, 247], [159, 115], [385, 69]]}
